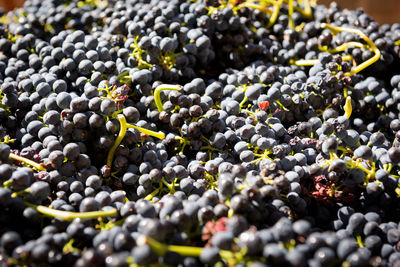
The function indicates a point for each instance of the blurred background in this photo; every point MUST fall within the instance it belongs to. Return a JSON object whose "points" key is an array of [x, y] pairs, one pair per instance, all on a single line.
{"points": [[384, 11]]}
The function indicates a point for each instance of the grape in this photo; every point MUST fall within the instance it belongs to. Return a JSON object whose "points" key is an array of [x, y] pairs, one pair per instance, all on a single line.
{"points": [[209, 255], [39, 190], [10, 240]]}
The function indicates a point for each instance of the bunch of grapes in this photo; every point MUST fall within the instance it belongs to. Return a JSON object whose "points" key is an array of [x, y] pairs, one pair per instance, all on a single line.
{"points": [[198, 133]]}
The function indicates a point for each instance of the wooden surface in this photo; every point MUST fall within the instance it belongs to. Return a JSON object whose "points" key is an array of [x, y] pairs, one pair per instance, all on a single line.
{"points": [[11, 4], [384, 11]]}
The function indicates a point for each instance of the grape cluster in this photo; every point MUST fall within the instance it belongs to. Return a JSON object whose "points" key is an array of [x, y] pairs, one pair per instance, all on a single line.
{"points": [[198, 133]]}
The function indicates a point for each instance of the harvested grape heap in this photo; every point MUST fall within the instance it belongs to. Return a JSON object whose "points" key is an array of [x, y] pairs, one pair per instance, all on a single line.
{"points": [[198, 133]]}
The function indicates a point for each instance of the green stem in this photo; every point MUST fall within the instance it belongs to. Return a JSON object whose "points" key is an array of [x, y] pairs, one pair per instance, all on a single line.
{"points": [[230, 213], [121, 135], [152, 194], [290, 13], [274, 16], [306, 62], [385, 167], [257, 160], [69, 215], [110, 224], [359, 241], [156, 246], [157, 92], [397, 190], [390, 167], [256, 6], [371, 173], [185, 251], [168, 59], [333, 155], [264, 155], [69, 247], [36, 165], [307, 9], [243, 102], [342, 47], [122, 75], [290, 244], [281, 106], [159, 135], [170, 187], [137, 54], [371, 44], [348, 108], [122, 131], [205, 139], [7, 184], [7, 140], [183, 148], [208, 147], [312, 62], [20, 193]]}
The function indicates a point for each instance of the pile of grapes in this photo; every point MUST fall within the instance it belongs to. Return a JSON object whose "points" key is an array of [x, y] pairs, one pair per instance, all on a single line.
{"points": [[198, 132]]}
